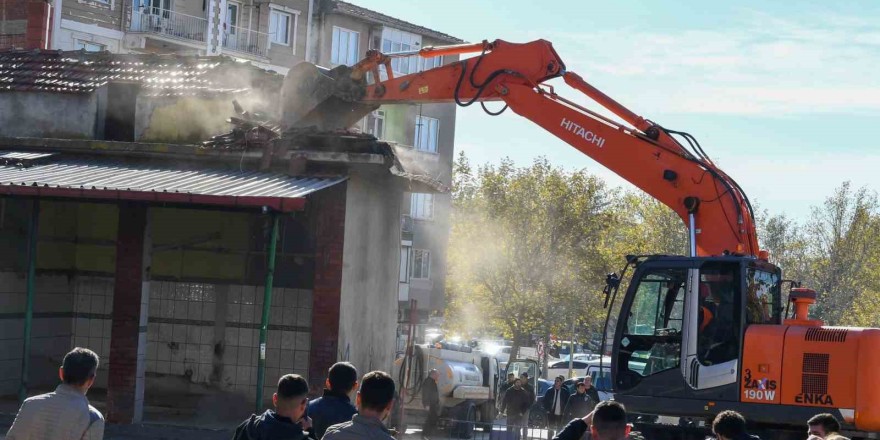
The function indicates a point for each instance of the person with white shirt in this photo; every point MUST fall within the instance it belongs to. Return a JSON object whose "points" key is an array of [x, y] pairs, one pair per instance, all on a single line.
{"points": [[555, 401]]}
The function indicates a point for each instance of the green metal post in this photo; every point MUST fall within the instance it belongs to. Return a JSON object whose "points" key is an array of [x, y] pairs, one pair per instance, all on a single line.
{"points": [[267, 303], [29, 308]]}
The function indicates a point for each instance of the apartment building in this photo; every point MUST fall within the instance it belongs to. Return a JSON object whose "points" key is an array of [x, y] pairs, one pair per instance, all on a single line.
{"points": [[275, 35]]}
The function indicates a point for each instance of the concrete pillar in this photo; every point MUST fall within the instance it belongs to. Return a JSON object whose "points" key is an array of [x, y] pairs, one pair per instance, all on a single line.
{"points": [[39, 25], [329, 206], [131, 299]]}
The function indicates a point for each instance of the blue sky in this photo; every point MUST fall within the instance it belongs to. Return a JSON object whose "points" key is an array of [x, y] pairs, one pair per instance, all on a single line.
{"points": [[784, 95]]}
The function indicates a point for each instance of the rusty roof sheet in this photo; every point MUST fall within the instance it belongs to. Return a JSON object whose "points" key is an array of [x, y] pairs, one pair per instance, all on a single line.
{"points": [[102, 178], [378, 17], [160, 75]]}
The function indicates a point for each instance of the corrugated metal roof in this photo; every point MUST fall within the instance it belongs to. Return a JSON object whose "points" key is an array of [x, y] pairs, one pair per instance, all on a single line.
{"points": [[104, 179], [162, 75]]}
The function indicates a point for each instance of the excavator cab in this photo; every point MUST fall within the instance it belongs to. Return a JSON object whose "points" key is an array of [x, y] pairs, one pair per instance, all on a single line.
{"points": [[679, 333]]}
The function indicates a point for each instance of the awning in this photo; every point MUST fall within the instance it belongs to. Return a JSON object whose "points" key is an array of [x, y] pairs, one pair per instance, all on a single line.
{"points": [[106, 179]]}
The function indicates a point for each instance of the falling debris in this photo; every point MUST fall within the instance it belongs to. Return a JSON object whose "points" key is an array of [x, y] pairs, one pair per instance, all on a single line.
{"points": [[249, 130]]}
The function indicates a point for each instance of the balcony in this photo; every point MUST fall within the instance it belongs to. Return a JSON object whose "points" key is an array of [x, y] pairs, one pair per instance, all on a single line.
{"points": [[247, 41], [167, 23]]}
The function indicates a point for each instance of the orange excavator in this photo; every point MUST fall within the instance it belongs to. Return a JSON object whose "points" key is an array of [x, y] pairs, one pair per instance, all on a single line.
{"points": [[692, 335]]}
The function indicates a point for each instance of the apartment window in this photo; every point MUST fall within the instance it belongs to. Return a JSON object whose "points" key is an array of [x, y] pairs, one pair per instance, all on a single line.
{"points": [[279, 27], [374, 124], [430, 63], [394, 41], [88, 46], [421, 264], [232, 12], [427, 132], [422, 206], [345, 46]]}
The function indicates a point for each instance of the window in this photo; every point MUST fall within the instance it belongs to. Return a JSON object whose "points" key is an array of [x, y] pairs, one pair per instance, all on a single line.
{"points": [[232, 9], [394, 41], [156, 7], [404, 264], [427, 132], [430, 63], [421, 264], [279, 27], [374, 124], [88, 46], [763, 300], [344, 48], [422, 206], [653, 326], [718, 336]]}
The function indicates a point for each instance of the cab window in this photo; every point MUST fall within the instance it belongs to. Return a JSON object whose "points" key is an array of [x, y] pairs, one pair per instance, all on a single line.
{"points": [[718, 316], [762, 297]]}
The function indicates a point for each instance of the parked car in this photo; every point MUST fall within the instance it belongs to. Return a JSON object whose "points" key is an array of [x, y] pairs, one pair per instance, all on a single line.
{"points": [[579, 368], [583, 357]]}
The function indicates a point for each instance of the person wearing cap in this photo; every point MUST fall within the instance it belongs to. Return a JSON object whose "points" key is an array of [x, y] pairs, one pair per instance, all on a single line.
{"points": [[581, 403], [555, 400]]}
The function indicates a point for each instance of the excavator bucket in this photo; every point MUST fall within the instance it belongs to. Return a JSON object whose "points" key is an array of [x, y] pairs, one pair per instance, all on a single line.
{"points": [[325, 99]]}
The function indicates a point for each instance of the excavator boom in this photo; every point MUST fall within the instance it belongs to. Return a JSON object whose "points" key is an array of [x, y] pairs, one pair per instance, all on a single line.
{"points": [[713, 206]]}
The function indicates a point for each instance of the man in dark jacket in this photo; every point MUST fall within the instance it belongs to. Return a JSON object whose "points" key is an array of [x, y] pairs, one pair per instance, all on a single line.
{"points": [[334, 406], [516, 404], [581, 403], [606, 422], [555, 400], [287, 421], [431, 401], [731, 425]]}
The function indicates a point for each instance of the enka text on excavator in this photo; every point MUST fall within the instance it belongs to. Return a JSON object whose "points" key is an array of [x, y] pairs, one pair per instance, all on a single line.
{"points": [[692, 335]]}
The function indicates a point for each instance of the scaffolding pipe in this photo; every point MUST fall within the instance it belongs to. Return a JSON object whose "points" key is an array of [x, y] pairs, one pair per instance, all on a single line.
{"points": [[267, 303], [29, 308]]}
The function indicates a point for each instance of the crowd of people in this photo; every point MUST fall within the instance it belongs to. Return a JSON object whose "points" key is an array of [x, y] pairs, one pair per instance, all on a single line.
{"points": [[66, 414]]}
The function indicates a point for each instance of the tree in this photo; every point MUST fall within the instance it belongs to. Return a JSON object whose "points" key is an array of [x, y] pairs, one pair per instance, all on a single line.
{"points": [[520, 248]]}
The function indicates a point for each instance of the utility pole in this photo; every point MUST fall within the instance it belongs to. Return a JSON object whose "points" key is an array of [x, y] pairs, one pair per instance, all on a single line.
{"points": [[571, 348]]}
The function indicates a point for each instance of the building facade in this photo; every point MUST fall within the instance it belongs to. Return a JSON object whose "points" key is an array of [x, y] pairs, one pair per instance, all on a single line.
{"points": [[275, 35]]}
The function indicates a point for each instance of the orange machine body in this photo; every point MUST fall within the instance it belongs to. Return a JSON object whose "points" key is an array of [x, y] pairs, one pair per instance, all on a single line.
{"points": [[827, 367]]}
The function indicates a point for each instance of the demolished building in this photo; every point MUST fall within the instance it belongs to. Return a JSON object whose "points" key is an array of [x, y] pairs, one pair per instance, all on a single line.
{"points": [[145, 201]]}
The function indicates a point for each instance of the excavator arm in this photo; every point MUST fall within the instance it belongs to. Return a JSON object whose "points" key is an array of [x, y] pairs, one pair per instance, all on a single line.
{"points": [[713, 206]]}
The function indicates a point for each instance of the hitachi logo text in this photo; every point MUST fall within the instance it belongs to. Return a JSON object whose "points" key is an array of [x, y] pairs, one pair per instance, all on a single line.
{"points": [[588, 136]]}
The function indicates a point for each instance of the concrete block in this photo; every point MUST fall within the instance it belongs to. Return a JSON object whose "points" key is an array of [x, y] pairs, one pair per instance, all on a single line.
{"points": [[286, 360], [177, 368], [193, 334], [180, 309], [12, 302], [166, 308], [273, 357], [163, 367], [194, 310], [273, 339], [153, 350], [246, 356], [304, 317], [304, 299], [231, 336], [248, 294], [179, 333], [301, 362], [206, 353], [234, 294], [96, 328], [288, 340], [276, 315], [209, 311], [83, 303], [247, 314], [230, 355], [166, 332], [233, 313], [206, 335], [303, 340]]}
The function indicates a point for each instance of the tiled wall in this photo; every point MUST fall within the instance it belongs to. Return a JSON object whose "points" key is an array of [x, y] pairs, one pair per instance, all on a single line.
{"points": [[50, 332], [92, 319], [209, 333]]}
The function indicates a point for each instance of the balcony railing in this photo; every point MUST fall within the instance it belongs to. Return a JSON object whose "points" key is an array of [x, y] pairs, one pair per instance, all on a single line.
{"points": [[169, 23], [246, 40]]}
